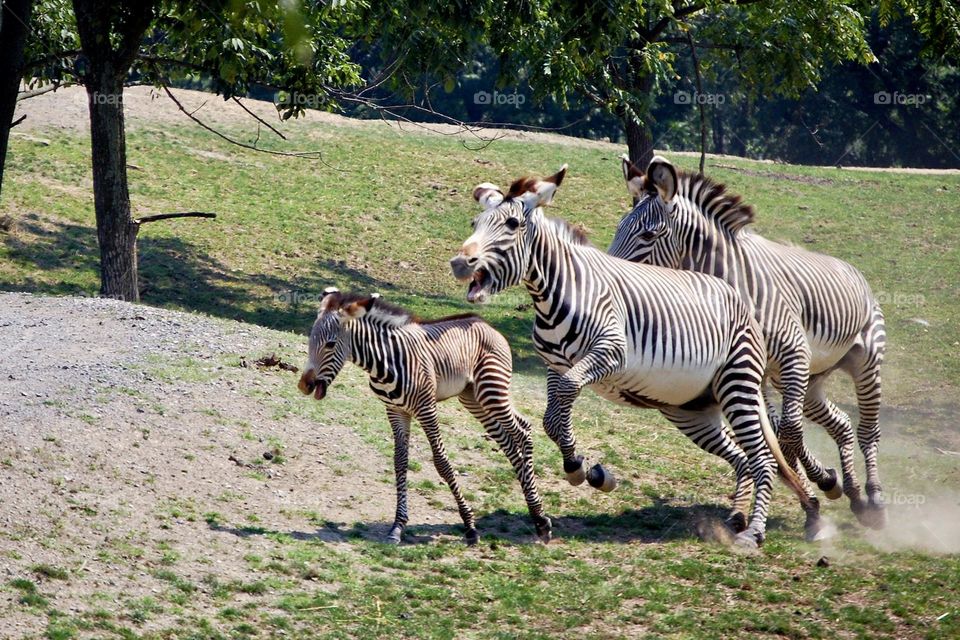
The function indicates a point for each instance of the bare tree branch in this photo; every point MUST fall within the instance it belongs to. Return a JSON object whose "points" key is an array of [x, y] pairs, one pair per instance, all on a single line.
{"points": [[258, 118], [703, 116], [168, 216], [313, 155], [33, 93]]}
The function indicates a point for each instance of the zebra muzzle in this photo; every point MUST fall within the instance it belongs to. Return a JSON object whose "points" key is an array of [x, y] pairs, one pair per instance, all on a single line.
{"points": [[477, 290], [321, 390]]}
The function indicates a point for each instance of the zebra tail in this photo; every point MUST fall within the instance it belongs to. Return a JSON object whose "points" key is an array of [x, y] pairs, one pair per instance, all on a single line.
{"points": [[789, 476]]}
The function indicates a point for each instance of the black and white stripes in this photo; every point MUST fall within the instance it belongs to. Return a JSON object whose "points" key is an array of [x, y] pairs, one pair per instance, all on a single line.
{"points": [[817, 312], [681, 342], [413, 364]]}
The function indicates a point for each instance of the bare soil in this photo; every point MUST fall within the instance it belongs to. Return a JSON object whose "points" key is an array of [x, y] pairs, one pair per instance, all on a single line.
{"points": [[112, 450]]}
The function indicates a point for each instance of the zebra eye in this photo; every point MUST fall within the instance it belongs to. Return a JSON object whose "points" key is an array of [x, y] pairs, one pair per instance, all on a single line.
{"points": [[512, 224], [473, 224], [330, 344], [648, 234]]}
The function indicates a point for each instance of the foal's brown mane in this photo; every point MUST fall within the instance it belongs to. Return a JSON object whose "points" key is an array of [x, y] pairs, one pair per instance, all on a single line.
{"points": [[401, 315]]}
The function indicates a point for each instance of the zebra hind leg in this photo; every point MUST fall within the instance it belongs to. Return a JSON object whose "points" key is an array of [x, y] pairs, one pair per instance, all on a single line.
{"points": [[705, 428], [431, 426], [821, 410], [511, 431], [866, 377]]}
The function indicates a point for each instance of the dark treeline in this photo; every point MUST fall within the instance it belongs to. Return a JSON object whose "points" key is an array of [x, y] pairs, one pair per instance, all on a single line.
{"points": [[900, 111]]}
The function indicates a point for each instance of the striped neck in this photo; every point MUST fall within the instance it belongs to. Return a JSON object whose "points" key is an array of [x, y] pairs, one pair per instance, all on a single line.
{"points": [[370, 346]]}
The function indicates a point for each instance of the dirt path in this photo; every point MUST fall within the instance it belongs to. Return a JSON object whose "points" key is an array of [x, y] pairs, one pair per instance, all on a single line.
{"points": [[117, 428]]}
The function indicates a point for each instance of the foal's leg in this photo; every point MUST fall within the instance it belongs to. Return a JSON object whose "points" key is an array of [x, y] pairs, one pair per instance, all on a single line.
{"points": [[427, 417], [488, 404], [400, 423]]}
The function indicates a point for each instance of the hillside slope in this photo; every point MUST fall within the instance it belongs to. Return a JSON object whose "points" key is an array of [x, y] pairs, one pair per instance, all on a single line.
{"points": [[135, 498]]}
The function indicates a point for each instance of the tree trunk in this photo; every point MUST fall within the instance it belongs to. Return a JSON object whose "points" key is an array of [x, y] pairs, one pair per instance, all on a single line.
{"points": [[110, 35], [639, 142], [14, 21], [639, 134], [116, 231], [718, 132]]}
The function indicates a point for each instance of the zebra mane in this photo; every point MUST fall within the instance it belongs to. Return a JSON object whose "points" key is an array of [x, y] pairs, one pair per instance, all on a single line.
{"points": [[573, 233], [377, 309], [386, 314], [724, 209]]}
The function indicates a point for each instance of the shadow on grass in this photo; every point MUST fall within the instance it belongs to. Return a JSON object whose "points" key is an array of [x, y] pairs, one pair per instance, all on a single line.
{"points": [[175, 273], [657, 523]]}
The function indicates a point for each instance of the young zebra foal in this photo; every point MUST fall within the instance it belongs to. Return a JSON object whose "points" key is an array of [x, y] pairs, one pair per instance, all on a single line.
{"points": [[413, 364]]}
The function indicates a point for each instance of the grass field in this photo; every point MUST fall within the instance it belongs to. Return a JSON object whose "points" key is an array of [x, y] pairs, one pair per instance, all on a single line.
{"points": [[385, 212]]}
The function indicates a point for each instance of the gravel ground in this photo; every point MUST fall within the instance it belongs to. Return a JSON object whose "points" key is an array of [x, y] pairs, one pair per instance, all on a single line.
{"points": [[110, 455]]}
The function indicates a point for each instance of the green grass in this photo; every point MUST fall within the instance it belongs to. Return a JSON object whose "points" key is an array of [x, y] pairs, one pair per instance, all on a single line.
{"points": [[387, 217]]}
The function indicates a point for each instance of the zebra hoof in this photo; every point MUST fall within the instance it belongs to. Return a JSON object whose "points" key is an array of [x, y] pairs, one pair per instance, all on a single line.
{"points": [[544, 530], [819, 530], [737, 522], [870, 514], [472, 537], [600, 478], [747, 542], [829, 485], [875, 515], [576, 471], [396, 533]]}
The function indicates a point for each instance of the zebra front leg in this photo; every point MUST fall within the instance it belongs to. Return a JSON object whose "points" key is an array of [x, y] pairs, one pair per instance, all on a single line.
{"points": [[431, 426], [799, 458], [604, 358], [400, 423], [557, 424]]}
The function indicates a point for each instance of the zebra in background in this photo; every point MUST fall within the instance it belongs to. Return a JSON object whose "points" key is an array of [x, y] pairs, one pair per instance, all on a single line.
{"points": [[817, 312], [681, 342], [413, 364]]}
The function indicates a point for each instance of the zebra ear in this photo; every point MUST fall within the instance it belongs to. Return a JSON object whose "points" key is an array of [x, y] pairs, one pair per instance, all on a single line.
{"points": [[539, 193], [663, 176], [488, 195], [357, 309], [326, 299], [634, 177]]}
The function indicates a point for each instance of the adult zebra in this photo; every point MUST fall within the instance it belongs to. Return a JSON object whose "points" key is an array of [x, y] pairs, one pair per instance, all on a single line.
{"points": [[413, 364], [817, 312], [680, 342]]}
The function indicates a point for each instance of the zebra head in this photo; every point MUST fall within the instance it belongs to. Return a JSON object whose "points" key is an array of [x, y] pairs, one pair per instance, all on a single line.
{"points": [[494, 257], [329, 341], [647, 228]]}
